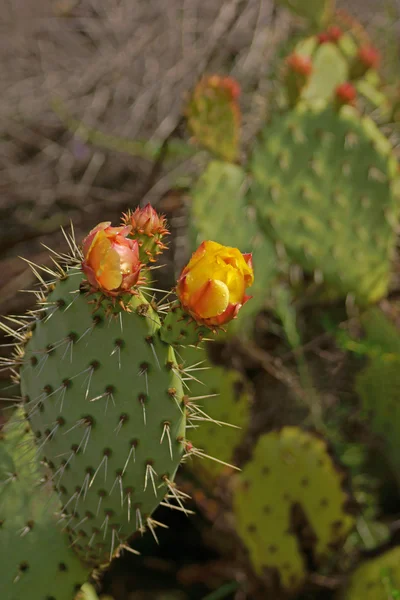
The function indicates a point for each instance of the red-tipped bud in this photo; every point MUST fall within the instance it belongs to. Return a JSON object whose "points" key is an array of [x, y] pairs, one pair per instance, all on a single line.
{"points": [[148, 228], [369, 56], [300, 64], [111, 260], [346, 93], [226, 83], [323, 37], [334, 33]]}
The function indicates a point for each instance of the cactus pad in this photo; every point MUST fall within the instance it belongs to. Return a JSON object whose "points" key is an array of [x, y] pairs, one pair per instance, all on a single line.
{"points": [[375, 579], [103, 395], [330, 69], [317, 12], [225, 397], [290, 505], [37, 560], [326, 186], [213, 116]]}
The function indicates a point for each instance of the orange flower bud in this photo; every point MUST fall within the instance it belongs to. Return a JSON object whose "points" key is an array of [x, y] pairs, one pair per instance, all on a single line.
{"points": [[111, 260], [212, 286]]}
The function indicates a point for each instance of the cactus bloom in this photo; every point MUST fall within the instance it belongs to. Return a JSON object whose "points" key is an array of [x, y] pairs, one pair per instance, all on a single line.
{"points": [[111, 260], [212, 287]]}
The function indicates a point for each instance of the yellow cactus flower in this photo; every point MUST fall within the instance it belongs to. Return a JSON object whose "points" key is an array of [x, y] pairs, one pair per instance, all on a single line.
{"points": [[212, 287]]}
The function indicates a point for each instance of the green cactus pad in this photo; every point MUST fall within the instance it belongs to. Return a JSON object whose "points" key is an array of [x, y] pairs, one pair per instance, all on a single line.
{"points": [[179, 329], [330, 69], [326, 186], [317, 12], [37, 560], [213, 116], [225, 397], [289, 504], [219, 212], [378, 384], [375, 579], [104, 398]]}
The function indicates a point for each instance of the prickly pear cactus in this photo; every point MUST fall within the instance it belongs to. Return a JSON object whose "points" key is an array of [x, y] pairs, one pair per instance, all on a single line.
{"points": [[213, 116], [375, 579], [37, 560], [223, 396], [337, 56], [290, 505], [378, 384], [326, 186], [104, 399], [221, 191]]}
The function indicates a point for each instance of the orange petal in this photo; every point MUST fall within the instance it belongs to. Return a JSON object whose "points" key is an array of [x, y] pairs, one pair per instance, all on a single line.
{"points": [[105, 262]]}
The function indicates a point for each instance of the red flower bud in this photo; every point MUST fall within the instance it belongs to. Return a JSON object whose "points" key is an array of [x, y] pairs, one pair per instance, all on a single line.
{"points": [[369, 56], [323, 37], [334, 33], [346, 93], [111, 260], [300, 64]]}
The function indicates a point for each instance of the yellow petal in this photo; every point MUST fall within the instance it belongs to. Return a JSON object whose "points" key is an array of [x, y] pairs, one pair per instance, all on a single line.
{"points": [[211, 300]]}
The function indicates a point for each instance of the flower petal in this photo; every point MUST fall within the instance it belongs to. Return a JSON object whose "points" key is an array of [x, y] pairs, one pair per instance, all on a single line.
{"points": [[211, 300]]}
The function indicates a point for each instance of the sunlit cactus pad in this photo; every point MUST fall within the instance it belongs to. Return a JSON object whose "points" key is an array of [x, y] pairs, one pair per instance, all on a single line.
{"points": [[375, 579], [329, 69], [225, 398], [103, 395], [316, 11], [290, 505], [36, 558], [213, 115], [326, 187]]}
